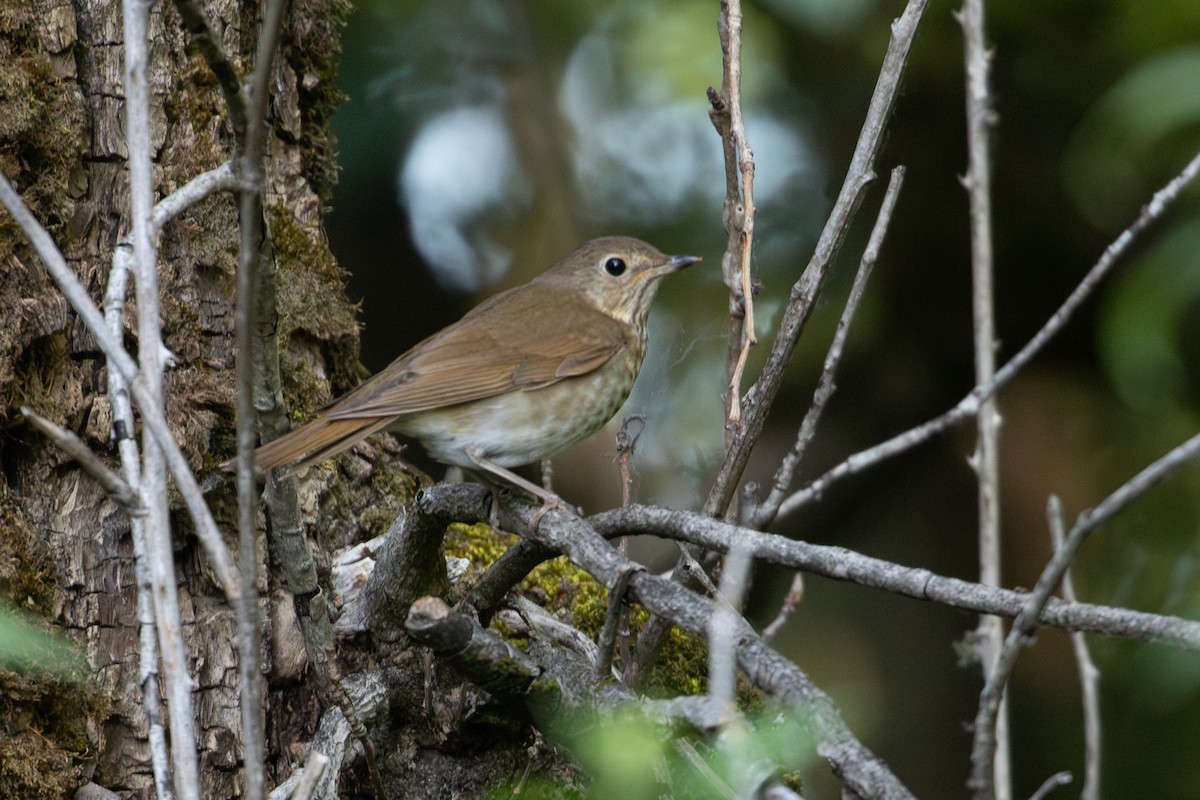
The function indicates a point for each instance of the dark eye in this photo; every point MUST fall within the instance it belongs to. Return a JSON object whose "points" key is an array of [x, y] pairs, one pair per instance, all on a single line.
{"points": [[615, 266]]}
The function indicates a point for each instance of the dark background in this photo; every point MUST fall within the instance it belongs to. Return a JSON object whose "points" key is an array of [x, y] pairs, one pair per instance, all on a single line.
{"points": [[1098, 105]]}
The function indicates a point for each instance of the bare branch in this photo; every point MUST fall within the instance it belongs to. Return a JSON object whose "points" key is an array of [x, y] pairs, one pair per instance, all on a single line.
{"points": [[786, 473], [1050, 784], [761, 395], [738, 214], [724, 624], [250, 254], [986, 459], [969, 405], [160, 556], [209, 41], [1089, 675], [787, 609], [842, 564], [201, 187], [612, 621], [72, 445], [1026, 620]]}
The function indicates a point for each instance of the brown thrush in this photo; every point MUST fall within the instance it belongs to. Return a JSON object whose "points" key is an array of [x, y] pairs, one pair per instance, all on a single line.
{"points": [[523, 376]]}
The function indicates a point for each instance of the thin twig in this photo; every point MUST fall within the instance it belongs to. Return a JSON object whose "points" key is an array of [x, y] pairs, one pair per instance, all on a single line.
{"points": [[250, 252], [204, 185], [989, 700], [786, 473], [738, 214], [612, 621], [152, 415], [209, 43], [1050, 784], [172, 650], [986, 459], [113, 484], [724, 624], [787, 609], [761, 395], [968, 407], [1089, 675]]}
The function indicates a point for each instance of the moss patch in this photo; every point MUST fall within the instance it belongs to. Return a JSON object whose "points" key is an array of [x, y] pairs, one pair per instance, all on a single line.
{"points": [[312, 305], [45, 742], [312, 51], [27, 575], [576, 597]]}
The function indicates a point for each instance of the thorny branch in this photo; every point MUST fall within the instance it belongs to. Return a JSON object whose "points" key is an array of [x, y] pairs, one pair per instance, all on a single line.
{"points": [[986, 458]]}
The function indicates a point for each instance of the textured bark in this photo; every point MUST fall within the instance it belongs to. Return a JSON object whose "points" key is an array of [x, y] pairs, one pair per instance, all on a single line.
{"points": [[67, 547]]}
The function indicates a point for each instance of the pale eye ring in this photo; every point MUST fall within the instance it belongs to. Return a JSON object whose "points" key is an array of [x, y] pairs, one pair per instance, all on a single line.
{"points": [[615, 266]]}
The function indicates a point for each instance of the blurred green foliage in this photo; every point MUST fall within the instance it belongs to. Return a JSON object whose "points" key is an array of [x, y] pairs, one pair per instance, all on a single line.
{"points": [[1098, 105], [25, 646]]}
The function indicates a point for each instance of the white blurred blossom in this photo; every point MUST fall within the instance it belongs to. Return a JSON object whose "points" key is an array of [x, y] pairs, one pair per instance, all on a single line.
{"points": [[460, 176]]}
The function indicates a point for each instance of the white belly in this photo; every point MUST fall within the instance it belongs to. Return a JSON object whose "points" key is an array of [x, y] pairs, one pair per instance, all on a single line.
{"points": [[522, 427]]}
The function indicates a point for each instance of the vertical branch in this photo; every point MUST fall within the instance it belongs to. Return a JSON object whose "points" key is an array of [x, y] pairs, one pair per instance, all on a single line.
{"points": [[725, 624], [761, 395], [150, 352], [250, 255], [762, 516], [1089, 675], [123, 427], [738, 212], [983, 746], [986, 457]]}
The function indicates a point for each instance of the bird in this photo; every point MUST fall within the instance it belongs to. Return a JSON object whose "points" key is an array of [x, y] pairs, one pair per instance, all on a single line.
{"points": [[521, 377]]}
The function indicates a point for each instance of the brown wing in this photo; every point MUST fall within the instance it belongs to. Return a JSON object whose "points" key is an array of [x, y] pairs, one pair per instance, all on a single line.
{"points": [[523, 339]]}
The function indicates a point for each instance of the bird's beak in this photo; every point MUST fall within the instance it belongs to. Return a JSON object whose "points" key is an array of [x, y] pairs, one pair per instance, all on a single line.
{"points": [[675, 263]]}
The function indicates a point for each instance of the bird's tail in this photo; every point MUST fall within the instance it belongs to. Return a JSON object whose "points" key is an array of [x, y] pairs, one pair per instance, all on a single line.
{"points": [[316, 441]]}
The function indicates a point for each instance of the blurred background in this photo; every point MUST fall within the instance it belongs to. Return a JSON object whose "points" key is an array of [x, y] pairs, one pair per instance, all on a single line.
{"points": [[484, 139]]}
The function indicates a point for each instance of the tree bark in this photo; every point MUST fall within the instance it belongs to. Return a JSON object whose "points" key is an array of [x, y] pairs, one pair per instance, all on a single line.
{"points": [[66, 546]]}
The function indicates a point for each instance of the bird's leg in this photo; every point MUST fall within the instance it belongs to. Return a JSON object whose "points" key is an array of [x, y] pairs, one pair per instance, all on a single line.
{"points": [[549, 499]]}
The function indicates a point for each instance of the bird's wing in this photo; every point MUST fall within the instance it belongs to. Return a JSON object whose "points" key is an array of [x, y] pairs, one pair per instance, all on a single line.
{"points": [[519, 340]]}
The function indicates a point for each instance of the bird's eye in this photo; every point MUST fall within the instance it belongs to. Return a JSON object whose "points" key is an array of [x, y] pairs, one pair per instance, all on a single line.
{"points": [[615, 266]]}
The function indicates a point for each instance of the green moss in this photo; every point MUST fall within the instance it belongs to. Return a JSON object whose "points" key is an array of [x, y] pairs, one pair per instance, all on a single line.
{"points": [[41, 126], [561, 587], [311, 301], [27, 574], [46, 745], [479, 543], [312, 51]]}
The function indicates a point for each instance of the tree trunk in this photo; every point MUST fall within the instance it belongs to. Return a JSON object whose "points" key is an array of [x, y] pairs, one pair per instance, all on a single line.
{"points": [[66, 546]]}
